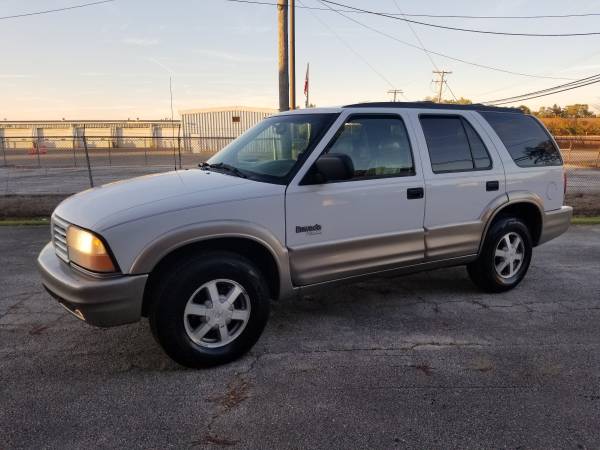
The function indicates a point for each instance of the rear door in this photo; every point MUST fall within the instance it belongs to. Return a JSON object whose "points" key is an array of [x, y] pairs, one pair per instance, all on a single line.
{"points": [[370, 223], [464, 176]]}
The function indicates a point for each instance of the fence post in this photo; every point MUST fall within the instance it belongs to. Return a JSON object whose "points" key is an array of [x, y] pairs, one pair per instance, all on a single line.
{"points": [[570, 152], [174, 156], [109, 157], [598, 160], [38, 152], [179, 145], [3, 150], [87, 158]]}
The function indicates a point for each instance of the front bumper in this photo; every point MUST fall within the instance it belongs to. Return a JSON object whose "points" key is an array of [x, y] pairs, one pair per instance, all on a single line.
{"points": [[555, 223], [103, 302]]}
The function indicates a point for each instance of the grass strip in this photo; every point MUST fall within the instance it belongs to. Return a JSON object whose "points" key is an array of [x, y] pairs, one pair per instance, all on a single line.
{"points": [[23, 221]]}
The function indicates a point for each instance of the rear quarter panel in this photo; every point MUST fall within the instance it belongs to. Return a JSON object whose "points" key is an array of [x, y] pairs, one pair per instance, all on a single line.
{"points": [[545, 181]]}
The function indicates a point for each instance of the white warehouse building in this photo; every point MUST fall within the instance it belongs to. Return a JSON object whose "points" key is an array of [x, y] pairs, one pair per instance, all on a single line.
{"points": [[22, 134], [211, 129]]}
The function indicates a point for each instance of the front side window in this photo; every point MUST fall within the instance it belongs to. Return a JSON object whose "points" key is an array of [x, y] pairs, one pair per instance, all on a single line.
{"points": [[453, 144], [377, 145], [528, 143], [274, 148]]}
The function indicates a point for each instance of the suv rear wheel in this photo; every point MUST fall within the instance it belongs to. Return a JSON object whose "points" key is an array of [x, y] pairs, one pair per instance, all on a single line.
{"points": [[209, 309], [505, 256]]}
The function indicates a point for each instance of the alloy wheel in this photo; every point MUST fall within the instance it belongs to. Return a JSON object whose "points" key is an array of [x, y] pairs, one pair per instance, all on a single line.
{"points": [[216, 313], [509, 255]]}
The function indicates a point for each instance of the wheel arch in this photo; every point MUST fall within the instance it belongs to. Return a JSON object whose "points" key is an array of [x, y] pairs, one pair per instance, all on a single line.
{"points": [[253, 242], [527, 206]]}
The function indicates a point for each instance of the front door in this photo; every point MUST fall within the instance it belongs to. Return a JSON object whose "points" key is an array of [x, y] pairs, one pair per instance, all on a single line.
{"points": [[370, 223]]}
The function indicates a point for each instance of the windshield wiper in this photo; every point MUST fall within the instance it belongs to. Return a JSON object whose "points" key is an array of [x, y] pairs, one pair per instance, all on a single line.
{"points": [[227, 167]]}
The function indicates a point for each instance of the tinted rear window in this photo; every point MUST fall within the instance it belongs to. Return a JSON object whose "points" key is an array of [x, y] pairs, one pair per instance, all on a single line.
{"points": [[453, 145], [526, 140]]}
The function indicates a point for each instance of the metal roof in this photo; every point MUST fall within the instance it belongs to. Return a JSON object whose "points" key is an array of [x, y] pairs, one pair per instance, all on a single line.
{"points": [[235, 108], [431, 105]]}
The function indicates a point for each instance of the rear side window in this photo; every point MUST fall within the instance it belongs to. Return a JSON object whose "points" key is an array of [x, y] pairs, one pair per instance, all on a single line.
{"points": [[528, 143], [453, 144]]}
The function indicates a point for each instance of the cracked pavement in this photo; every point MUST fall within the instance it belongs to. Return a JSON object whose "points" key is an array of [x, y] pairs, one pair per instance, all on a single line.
{"points": [[422, 361]]}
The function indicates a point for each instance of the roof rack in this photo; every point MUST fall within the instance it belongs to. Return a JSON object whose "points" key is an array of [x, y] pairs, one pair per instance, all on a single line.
{"points": [[432, 105]]}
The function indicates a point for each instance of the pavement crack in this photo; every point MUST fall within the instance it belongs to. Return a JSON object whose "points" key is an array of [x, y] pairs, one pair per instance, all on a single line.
{"points": [[423, 367], [237, 392]]}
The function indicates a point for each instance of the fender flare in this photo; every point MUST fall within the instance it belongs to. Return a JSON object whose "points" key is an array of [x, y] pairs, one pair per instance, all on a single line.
{"points": [[500, 203], [179, 237]]}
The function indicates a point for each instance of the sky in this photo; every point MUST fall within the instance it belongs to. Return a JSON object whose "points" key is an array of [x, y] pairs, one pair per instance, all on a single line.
{"points": [[114, 60]]}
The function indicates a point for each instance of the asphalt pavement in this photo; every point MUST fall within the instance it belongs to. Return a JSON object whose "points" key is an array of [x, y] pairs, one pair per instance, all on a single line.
{"points": [[424, 361]]}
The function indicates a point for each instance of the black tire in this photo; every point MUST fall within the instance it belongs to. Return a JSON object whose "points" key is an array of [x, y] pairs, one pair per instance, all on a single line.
{"points": [[175, 288], [483, 270]]}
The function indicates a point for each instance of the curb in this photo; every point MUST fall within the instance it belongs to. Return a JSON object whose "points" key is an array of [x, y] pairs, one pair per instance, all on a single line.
{"points": [[19, 206]]}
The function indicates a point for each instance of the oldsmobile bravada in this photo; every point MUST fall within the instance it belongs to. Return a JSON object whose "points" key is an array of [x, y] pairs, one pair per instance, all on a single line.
{"points": [[302, 200]]}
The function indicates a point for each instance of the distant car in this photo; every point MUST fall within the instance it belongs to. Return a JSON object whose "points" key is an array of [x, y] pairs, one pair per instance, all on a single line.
{"points": [[302, 200]]}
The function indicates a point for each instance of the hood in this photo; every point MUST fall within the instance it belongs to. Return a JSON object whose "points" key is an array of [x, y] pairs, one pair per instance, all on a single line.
{"points": [[122, 201]]}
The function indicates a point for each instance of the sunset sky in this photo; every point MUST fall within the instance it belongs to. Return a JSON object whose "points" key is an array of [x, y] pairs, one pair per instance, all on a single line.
{"points": [[114, 60]]}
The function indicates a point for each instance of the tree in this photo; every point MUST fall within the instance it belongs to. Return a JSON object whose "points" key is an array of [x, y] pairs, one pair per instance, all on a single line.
{"points": [[525, 109], [545, 112], [577, 110], [557, 110], [459, 101]]}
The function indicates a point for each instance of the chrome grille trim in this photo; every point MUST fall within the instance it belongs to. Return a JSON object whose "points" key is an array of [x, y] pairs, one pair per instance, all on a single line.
{"points": [[59, 238]]}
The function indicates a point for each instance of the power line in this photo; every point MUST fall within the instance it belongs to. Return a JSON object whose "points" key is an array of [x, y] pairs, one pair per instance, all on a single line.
{"points": [[512, 85], [349, 47], [47, 11], [467, 30], [418, 39], [435, 67], [439, 16], [443, 55], [451, 92], [581, 80], [548, 91]]}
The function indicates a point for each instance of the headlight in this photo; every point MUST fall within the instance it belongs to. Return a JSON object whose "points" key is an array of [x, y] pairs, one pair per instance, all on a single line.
{"points": [[88, 251]]}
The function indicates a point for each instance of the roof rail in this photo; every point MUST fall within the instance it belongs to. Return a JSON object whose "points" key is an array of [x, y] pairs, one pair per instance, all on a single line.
{"points": [[432, 105]]}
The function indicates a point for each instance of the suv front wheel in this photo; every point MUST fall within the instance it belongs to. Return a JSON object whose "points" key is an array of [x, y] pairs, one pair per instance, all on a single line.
{"points": [[505, 256], [209, 309]]}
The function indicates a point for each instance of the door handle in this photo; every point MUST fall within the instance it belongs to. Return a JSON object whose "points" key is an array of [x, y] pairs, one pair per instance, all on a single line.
{"points": [[414, 193], [492, 185]]}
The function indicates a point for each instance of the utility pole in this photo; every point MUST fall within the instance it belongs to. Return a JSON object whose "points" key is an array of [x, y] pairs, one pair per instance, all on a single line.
{"points": [[441, 74], [395, 92], [284, 83], [292, 7]]}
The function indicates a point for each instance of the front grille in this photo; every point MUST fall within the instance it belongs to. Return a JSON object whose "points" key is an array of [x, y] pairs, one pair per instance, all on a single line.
{"points": [[59, 238]]}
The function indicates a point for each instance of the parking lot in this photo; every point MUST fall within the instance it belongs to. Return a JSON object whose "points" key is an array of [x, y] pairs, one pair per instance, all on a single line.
{"points": [[423, 361]]}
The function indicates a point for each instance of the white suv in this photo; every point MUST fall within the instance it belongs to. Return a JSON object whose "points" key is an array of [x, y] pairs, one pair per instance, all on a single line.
{"points": [[304, 199]]}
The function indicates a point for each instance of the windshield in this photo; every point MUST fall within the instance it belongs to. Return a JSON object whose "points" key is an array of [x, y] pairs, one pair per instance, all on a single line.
{"points": [[272, 150]]}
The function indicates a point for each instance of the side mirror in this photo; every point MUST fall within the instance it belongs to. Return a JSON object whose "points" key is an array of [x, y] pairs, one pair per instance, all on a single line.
{"points": [[335, 167]]}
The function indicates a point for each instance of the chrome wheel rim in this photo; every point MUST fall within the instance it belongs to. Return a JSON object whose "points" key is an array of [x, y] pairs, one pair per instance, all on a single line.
{"points": [[509, 255], [216, 313]]}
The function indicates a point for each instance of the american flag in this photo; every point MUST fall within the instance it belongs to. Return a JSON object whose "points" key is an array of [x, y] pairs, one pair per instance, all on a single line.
{"points": [[306, 81]]}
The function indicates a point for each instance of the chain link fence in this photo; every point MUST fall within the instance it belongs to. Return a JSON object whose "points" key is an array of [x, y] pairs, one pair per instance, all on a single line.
{"points": [[581, 155], [111, 158], [69, 152]]}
